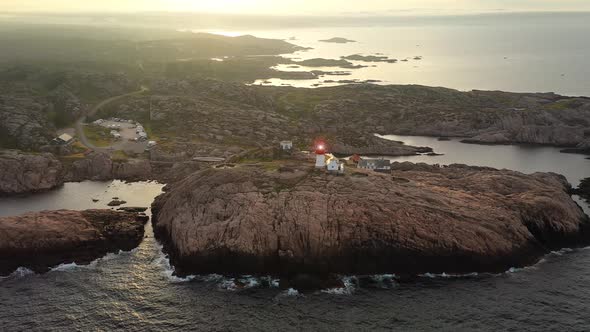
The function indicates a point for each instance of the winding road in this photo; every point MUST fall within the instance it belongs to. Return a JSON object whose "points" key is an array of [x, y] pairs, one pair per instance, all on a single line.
{"points": [[80, 123]]}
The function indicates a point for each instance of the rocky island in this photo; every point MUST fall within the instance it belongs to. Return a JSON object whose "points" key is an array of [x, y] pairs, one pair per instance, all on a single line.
{"points": [[41, 240], [291, 219], [338, 40]]}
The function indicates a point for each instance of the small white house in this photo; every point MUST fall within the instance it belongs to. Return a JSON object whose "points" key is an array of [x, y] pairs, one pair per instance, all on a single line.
{"points": [[335, 166], [286, 145]]}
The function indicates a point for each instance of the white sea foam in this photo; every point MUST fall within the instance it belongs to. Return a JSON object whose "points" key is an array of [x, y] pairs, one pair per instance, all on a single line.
{"points": [[271, 282], [243, 282], [227, 284], [561, 252], [448, 276], [21, 272], [291, 292], [64, 267], [349, 287], [384, 280], [168, 270]]}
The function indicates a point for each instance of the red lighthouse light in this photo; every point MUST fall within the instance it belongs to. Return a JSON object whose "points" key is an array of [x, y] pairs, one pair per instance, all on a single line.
{"points": [[320, 148]]}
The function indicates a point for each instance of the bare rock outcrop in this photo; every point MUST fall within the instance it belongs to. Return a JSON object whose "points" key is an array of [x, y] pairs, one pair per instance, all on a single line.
{"points": [[376, 146], [41, 240], [417, 219], [96, 167], [100, 167], [23, 173]]}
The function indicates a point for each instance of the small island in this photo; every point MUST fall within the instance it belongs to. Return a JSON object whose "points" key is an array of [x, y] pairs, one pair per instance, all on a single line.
{"points": [[338, 40], [370, 58], [320, 62]]}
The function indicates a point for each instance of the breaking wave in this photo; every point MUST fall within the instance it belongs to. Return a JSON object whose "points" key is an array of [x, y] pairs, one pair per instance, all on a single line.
{"points": [[21, 272], [448, 276], [350, 283], [66, 267], [168, 271]]}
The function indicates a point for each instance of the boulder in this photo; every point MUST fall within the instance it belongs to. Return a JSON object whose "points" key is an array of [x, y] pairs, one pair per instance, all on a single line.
{"points": [[41, 240], [418, 219]]}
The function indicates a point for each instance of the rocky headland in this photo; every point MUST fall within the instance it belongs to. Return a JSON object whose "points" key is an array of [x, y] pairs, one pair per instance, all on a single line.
{"points": [[292, 219], [42, 240]]}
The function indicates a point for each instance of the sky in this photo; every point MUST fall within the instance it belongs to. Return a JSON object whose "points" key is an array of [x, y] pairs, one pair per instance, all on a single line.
{"points": [[297, 7]]}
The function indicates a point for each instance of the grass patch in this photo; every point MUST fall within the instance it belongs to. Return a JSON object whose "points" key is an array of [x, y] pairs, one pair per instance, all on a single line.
{"points": [[563, 104], [120, 155], [98, 136]]}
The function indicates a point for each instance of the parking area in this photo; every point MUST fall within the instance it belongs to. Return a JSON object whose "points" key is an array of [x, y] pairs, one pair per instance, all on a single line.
{"points": [[130, 136]]}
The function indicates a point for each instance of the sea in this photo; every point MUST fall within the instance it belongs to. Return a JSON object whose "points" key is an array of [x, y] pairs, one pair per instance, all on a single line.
{"points": [[516, 52], [138, 291]]}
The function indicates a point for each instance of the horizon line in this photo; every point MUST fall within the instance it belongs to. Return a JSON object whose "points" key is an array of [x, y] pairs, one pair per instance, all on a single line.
{"points": [[393, 13]]}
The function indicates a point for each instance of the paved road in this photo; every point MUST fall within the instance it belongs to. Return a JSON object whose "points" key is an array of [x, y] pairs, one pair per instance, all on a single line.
{"points": [[93, 110]]}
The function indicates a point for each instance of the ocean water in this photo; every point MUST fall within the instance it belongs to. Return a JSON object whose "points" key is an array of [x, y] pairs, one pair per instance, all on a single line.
{"points": [[137, 291], [518, 53]]}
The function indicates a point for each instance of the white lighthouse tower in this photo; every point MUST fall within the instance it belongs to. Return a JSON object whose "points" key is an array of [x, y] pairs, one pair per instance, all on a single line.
{"points": [[320, 155]]}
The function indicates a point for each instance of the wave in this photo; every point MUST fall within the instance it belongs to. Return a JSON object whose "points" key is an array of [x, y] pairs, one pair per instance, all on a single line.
{"points": [[163, 261], [291, 292], [350, 283], [20, 272], [561, 252], [66, 267], [247, 282], [448, 276], [223, 282]]}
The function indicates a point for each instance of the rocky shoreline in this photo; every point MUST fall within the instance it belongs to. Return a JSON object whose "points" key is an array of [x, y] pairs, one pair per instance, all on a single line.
{"points": [[42, 240], [418, 219], [27, 173]]}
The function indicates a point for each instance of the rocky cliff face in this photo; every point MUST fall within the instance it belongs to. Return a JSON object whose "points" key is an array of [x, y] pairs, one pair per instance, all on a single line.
{"points": [[22, 173], [96, 167], [39, 241], [417, 219], [100, 167]]}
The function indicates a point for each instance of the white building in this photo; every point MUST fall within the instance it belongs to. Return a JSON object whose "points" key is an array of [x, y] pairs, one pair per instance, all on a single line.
{"points": [[335, 166], [375, 164], [286, 145], [63, 139]]}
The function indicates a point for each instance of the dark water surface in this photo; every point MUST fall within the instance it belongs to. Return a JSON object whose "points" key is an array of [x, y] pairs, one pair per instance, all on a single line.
{"points": [[135, 291]]}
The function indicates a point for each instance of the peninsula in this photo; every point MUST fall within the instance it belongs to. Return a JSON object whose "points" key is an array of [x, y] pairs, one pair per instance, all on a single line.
{"points": [[289, 218]]}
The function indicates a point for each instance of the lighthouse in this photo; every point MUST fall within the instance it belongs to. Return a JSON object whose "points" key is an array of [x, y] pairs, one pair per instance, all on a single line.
{"points": [[320, 155]]}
